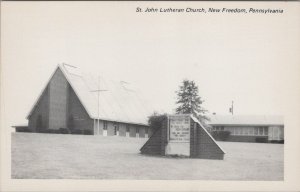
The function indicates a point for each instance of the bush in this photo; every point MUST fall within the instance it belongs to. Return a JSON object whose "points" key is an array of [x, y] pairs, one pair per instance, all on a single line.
{"points": [[50, 131], [156, 120], [77, 131], [64, 131], [261, 140], [277, 141], [221, 135], [87, 132], [23, 129]]}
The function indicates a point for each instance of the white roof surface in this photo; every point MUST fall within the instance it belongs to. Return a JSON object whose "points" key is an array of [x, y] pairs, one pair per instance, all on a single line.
{"points": [[245, 120], [120, 102]]}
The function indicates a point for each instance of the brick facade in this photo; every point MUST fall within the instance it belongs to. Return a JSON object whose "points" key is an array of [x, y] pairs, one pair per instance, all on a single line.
{"points": [[202, 145], [122, 130], [39, 120], [78, 117], [245, 138], [58, 95], [156, 143]]}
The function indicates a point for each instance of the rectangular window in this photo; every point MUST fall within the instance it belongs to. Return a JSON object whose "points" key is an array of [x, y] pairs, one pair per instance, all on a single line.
{"points": [[251, 130], [233, 131], [245, 131], [240, 131], [221, 128], [265, 130], [261, 130], [127, 128], [104, 125], [256, 130]]}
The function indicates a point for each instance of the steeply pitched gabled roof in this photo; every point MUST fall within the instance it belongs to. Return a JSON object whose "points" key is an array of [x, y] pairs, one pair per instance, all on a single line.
{"points": [[245, 120], [118, 103]]}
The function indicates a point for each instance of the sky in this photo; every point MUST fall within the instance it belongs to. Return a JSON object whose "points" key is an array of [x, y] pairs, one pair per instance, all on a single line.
{"points": [[249, 58]]}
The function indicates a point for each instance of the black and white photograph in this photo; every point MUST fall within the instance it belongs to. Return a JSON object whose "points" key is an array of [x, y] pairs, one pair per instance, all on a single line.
{"points": [[160, 93]]}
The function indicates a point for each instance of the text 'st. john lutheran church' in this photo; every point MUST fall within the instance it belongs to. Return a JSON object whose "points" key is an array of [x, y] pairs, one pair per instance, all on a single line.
{"points": [[73, 100]]}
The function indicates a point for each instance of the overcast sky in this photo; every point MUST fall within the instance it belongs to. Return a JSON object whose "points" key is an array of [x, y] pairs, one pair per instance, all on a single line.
{"points": [[247, 58]]}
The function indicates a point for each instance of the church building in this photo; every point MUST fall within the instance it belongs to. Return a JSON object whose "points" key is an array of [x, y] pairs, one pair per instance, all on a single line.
{"points": [[74, 102]]}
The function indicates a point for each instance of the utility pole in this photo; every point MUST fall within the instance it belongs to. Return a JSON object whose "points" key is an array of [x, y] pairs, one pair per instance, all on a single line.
{"points": [[231, 108], [98, 90]]}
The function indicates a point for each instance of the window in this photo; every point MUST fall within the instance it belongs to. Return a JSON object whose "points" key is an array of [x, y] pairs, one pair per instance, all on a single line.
{"points": [[239, 131], [256, 130], [233, 132], [245, 131], [266, 130], [261, 131], [116, 128], [127, 128], [104, 125], [251, 130]]}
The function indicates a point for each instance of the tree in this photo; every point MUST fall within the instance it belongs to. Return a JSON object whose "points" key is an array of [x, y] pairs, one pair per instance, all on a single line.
{"points": [[189, 101]]}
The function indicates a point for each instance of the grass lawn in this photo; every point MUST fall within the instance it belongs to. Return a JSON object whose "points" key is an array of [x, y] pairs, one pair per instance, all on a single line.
{"points": [[57, 156]]}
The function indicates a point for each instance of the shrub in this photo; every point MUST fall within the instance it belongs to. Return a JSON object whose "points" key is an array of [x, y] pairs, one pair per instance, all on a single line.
{"points": [[64, 131], [23, 129], [87, 132], [50, 131], [155, 121], [221, 135], [261, 140], [77, 131], [277, 141]]}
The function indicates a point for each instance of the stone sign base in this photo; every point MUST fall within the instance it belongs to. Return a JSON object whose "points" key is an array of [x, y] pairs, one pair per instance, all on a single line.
{"points": [[182, 137]]}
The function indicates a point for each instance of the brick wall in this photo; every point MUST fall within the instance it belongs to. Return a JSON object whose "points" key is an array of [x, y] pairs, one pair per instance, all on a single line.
{"points": [[57, 104], [132, 132], [81, 119], [202, 145], [58, 88], [110, 129], [122, 129], [142, 131], [41, 109], [156, 144], [245, 138]]}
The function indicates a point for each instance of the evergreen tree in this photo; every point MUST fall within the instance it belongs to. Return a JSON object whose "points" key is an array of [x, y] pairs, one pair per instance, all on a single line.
{"points": [[189, 102]]}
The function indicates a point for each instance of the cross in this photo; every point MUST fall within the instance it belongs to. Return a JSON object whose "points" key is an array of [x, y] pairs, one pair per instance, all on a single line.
{"points": [[98, 90]]}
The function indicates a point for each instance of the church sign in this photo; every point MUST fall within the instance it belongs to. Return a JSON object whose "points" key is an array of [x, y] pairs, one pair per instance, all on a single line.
{"points": [[179, 129], [182, 135]]}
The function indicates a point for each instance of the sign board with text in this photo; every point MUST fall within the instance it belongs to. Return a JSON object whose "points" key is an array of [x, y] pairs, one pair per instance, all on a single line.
{"points": [[179, 128]]}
